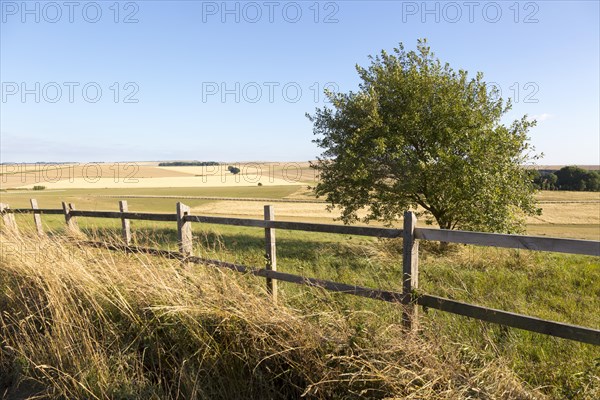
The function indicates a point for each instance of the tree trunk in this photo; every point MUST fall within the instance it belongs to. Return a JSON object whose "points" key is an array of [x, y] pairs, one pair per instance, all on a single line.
{"points": [[443, 225]]}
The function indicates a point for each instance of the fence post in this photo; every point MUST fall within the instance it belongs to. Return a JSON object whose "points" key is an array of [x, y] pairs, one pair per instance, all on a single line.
{"points": [[70, 220], [125, 224], [184, 230], [270, 252], [37, 218], [9, 218], [410, 268]]}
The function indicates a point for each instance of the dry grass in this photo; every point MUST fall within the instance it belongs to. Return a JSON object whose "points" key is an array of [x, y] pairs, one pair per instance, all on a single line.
{"points": [[88, 323]]}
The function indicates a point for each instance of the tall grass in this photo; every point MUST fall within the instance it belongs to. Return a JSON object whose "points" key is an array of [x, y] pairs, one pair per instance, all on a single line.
{"points": [[78, 322]]}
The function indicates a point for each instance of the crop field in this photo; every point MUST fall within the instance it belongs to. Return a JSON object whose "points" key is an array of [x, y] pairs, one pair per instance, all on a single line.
{"points": [[148, 187], [150, 175]]}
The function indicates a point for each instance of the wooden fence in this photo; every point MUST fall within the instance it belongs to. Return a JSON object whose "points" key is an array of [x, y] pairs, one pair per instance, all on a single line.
{"points": [[410, 297]]}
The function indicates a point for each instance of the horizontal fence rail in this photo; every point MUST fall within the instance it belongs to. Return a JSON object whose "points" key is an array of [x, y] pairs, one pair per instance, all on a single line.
{"points": [[299, 226], [126, 215], [34, 211], [409, 297], [540, 243], [566, 331]]}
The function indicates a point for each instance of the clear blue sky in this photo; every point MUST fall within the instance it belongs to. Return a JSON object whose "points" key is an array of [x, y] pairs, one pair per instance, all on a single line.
{"points": [[179, 55]]}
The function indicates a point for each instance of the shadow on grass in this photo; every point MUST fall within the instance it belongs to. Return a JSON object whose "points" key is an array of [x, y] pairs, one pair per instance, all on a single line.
{"points": [[370, 264], [288, 248]]}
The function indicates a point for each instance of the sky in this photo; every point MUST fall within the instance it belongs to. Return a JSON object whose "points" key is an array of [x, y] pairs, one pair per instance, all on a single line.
{"points": [[232, 81]]}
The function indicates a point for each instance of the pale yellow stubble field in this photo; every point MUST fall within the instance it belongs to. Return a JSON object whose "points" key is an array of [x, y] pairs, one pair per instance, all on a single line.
{"points": [[150, 175]]}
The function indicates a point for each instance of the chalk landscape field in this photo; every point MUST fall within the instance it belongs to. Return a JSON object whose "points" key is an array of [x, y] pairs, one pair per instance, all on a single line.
{"points": [[148, 187]]}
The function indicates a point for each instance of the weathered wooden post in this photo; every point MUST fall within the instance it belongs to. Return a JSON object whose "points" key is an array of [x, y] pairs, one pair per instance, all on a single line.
{"points": [[125, 224], [270, 252], [70, 220], [8, 218], [184, 230], [410, 269], [37, 217]]}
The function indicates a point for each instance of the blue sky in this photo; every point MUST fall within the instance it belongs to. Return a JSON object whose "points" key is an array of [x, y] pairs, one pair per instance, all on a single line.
{"points": [[158, 80]]}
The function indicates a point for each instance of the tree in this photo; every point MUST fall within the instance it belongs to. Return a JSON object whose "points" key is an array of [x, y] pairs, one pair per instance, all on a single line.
{"points": [[233, 170], [575, 178], [543, 180], [592, 182], [571, 178], [536, 177], [550, 180], [418, 133]]}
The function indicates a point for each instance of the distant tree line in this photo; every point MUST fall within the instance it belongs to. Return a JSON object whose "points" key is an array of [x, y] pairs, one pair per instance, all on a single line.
{"points": [[567, 178], [188, 164]]}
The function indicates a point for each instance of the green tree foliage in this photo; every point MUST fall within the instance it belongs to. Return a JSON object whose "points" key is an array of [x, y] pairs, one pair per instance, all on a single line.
{"points": [[544, 180], [418, 133], [233, 170], [578, 179], [593, 181]]}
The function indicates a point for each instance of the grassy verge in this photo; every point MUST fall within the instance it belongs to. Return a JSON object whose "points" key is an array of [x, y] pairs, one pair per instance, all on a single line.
{"points": [[88, 323], [558, 287]]}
